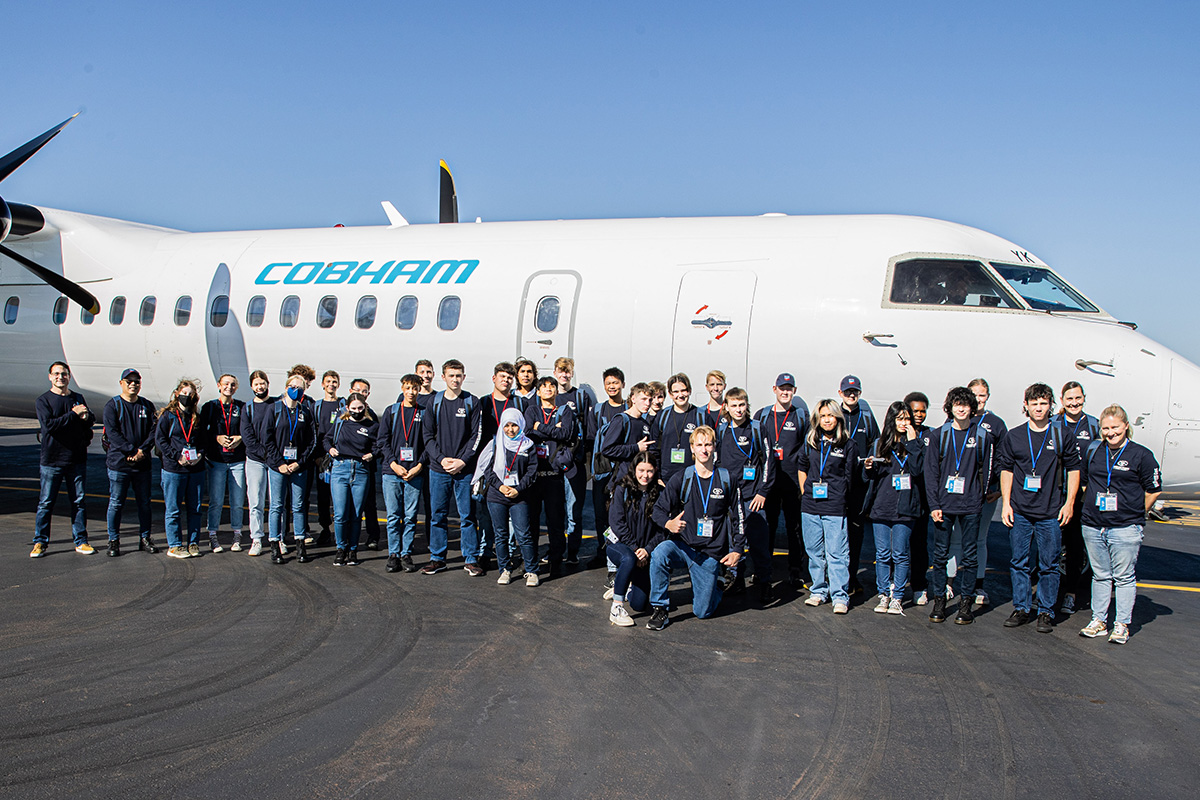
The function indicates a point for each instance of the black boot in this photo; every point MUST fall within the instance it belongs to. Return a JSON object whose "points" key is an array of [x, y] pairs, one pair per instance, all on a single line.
{"points": [[276, 555], [325, 538], [939, 609], [114, 547], [302, 555], [147, 545]]}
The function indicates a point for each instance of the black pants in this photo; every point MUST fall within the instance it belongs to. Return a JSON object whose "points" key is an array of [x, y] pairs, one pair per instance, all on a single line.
{"points": [[919, 554], [856, 520], [1073, 567], [785, 496], [549, 495], [370, 505], [324, 505], [600, 493]]}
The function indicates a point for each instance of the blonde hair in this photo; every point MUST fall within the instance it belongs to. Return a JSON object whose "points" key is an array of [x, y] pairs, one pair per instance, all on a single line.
{"points": [[814, 427], [702, 430], [562, 362], [1116, 412], [716, 373]]}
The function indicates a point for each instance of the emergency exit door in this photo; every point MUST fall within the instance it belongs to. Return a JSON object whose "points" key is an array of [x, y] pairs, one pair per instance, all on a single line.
{"points": [[712, 325], [547, 324]]}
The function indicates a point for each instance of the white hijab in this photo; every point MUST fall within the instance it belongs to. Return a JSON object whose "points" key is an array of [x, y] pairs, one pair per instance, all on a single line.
{"points": [[496, 451]]}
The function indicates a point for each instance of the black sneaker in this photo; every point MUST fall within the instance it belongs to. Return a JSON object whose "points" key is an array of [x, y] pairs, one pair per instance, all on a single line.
{"points": [[114, 547], [571, 561], [1017, 619], [352, 559], [556, 569], [1045, 623], [339, 559], [147, 545], [434, 567], [765, 593], [612, 580], [1068, 605], [393, 564], [939, 610], [372, 544], [406, 564], [659, 620], [965, 616], [324, 538]]}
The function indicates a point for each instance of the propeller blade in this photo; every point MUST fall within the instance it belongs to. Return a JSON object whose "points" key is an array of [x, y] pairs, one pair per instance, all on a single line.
{"points": [[17, 157], [449, 200], [67, 287]]}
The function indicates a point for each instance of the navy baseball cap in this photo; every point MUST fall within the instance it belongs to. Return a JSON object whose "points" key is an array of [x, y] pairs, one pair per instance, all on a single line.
{"points": [[851, 383], [131, 373], [785, 379]]}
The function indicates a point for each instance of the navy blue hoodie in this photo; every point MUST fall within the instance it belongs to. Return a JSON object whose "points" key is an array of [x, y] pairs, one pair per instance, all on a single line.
{"points": [[839, 472], [634, 527], [289, 428], [173, 433], [129, 428], [550, 435], [254, 434]]}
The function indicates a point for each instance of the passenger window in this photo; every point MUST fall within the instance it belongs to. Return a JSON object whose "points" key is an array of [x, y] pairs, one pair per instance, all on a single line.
{"points": [[289, 312], [364, 315], [327, 311], [448, 313], [59, 315], [11, 306], [256, 311], [183, 311], [546, 317], [116, 311], [406, 313], [947, 282], [146, 314], [86, 317], [218, 315]]}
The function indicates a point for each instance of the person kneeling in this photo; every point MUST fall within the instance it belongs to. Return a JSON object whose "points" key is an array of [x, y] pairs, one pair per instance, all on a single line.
{"points": [[632, 537], [704, 520]]}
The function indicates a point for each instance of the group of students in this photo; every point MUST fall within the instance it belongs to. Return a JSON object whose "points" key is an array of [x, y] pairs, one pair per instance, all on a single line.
{"points": [[674, 486]]}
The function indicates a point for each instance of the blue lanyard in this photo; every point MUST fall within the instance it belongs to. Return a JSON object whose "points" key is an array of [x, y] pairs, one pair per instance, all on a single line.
{"points": [[857, 423], [1109, 464], [959, 451], [824, 455], [292, 422], [903, 463], [706, 493], [1032, 457], [738, 444]]}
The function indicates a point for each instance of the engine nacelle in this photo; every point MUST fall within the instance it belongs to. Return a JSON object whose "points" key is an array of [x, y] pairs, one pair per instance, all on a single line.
{"points": [[5, 220]]}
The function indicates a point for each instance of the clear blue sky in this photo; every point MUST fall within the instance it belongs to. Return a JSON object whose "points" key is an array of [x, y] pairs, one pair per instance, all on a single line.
{"points": [[1070, 128]]}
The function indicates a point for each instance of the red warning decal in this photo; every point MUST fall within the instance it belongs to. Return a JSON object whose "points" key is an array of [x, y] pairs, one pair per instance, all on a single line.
{"points": [[701, 308], [722, 333]]}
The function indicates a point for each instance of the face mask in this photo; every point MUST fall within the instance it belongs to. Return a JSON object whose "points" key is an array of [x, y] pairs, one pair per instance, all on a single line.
{"points": [[187, 400], [261, 395], [357, 415], [295, 392]]}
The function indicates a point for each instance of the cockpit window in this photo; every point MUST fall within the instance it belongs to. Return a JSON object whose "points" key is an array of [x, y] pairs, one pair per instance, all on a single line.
{"points": [[947, 282], [1042, 289]]}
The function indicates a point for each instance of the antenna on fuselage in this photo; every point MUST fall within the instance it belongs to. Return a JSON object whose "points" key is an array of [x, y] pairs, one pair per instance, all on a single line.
{"points": [[448, 210]]}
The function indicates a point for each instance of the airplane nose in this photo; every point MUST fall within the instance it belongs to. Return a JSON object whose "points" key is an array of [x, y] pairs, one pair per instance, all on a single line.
{"points": [[1181, 447]]}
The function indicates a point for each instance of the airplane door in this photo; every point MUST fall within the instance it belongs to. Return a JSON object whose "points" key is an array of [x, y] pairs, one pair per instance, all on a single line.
{"points": [[712, 325], [547, 323]]}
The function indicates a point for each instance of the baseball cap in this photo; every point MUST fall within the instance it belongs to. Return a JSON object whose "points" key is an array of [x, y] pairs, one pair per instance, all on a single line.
{"points": [[851, 383], [785, 379], [131, 373]]}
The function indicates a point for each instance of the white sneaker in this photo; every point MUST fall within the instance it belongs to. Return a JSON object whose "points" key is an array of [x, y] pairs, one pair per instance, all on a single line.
{"points": [[840, 608], [1120, 633], [1094, 628], [531, 579], [236, 547], [981, 598], [920, 598], [882, 608], [505, 578], [620, 616], [895, 607], [814, 600], [256, 547], [608, 593]]}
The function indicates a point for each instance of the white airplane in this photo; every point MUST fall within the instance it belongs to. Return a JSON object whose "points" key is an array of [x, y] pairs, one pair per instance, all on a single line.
{"points": [[905, 303]]}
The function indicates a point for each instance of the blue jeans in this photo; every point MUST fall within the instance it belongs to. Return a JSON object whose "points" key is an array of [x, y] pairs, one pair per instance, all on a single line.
{"points": [[574, 491], [758, 537], [400, 498], [220, 476], [1046, 536], [827, 542], [892, 556], [631, 582], [292, 487], [52, 479], [256, 493], [348, 485], [968, 526], [705, 572], [119, 484], [182, 489], [441, 487], [518, 515], [1113, 553]]}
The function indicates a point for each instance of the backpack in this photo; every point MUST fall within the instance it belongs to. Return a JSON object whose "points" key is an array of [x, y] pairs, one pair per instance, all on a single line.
{"points": [[562, 454], [944, 445], [602, 465], [325, 465], [756, 434], [468, 404], [689, 477]]}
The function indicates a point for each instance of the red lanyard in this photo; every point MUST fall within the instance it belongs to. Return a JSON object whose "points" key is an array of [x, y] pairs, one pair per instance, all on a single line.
{"points": [[227, 417], [775, 419], [502, 410], [403, 425], [547, 417], [187, 437], [509, 469]]}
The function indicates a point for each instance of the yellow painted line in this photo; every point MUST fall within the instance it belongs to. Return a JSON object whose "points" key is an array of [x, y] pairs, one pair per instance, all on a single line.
{"points": [[1168, 586]]}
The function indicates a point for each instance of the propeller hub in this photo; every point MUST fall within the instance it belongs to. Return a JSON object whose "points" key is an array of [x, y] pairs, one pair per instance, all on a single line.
{"points": [[5, 220]]}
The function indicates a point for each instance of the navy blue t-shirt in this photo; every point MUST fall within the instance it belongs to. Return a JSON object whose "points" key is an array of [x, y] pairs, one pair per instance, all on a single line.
{"points": [[1018, 452], [1134, 474], [711, 498], [967, 454]]}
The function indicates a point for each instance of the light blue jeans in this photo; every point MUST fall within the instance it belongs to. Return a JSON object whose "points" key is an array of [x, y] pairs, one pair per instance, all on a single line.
{"points": [[892, 556], [401, 498], [256, 495], [182, 489], [280, 484], [220, 476], [705, 571], [828, 544], [348, 484], [1046, 536], [1113, 553]]}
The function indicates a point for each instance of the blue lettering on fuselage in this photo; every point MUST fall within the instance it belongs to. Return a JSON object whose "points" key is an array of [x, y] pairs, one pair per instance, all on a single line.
{"points": [[336, 272]]}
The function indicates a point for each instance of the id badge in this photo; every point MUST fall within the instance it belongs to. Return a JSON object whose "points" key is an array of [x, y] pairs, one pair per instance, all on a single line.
{"points": [[332, 417], [543, 450], [676, 455], [705, 528], [1106, 501], [779, 453], [820, 490], [748, 472], [612, 537], [901, 483], [190, 454], [289, 454], [406, 454], [510, 480], [1033, 483], [956, 484]]}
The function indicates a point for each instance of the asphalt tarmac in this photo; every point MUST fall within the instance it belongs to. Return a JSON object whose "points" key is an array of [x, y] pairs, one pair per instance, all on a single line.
{"points": [[227, 676]]}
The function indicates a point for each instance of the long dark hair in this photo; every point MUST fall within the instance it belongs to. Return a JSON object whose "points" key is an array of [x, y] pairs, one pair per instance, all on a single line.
{"points": [[633, 489], [890, 440]]}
